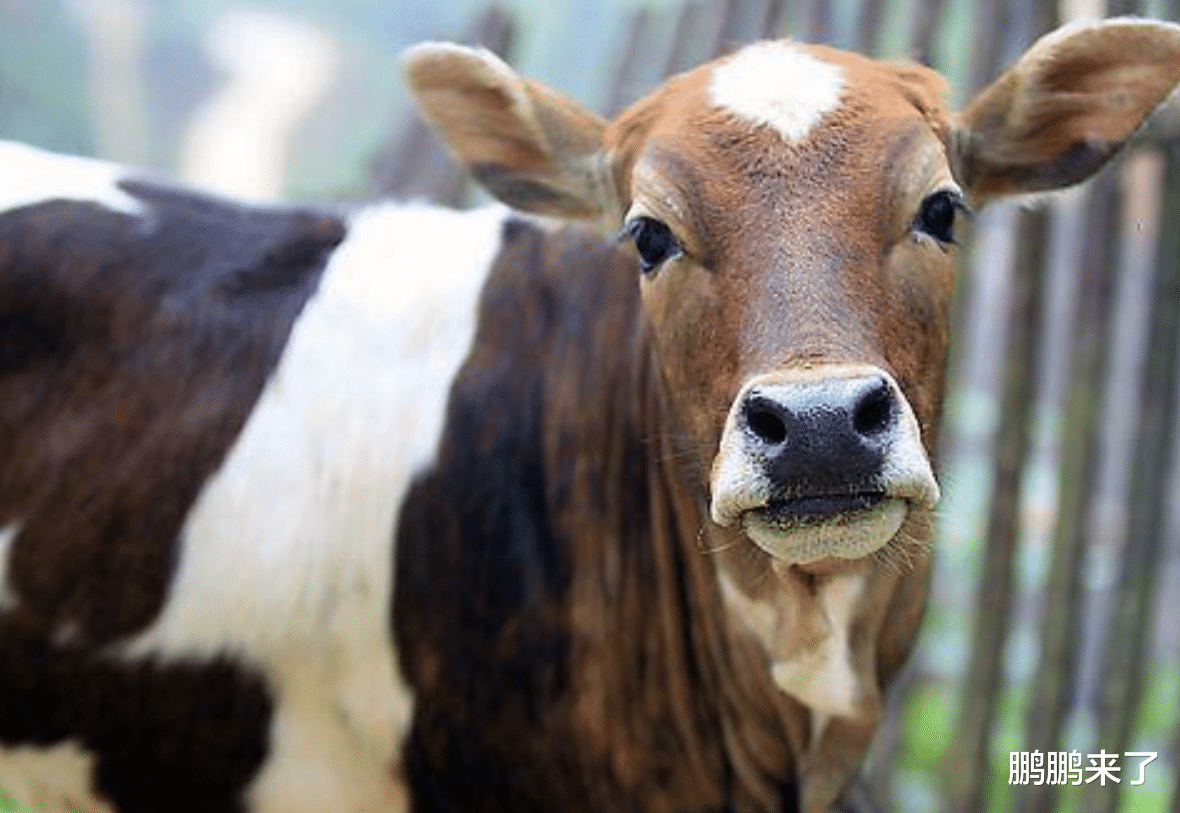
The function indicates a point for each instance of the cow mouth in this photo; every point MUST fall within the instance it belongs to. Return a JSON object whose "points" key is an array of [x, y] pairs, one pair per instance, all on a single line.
{"points": [[807, 529], [790, 513]]}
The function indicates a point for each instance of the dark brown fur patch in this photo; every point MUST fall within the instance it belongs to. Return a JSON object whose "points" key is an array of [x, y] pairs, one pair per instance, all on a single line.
{"points": [[132, 350], [181, 737], [566, 649]]}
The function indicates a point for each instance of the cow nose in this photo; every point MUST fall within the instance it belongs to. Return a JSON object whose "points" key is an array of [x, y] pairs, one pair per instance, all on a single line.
{"points": [[830, 434]]}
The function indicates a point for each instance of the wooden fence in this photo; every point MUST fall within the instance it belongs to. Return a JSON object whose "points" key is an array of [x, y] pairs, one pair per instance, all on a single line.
{"points": [[1049, 628]]}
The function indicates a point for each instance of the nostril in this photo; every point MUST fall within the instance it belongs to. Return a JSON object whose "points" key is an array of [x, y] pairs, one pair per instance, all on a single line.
{"points": [[765, 421], [874, 412]]}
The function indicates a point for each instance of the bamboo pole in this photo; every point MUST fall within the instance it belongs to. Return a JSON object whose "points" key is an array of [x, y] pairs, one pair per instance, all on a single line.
{"points": [[1117, 8], [968, 773], [619, 91], [745, 21], [413, 163], [768, 26], [984, 57], [1054, 684], [868, 25], [967, 768], [988, 56], [924, 23], [722, 15], [818, 23], [1129, 624]]}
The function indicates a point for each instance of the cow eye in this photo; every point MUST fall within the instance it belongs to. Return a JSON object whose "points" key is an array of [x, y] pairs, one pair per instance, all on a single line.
{"points": [[936, 217], [654, 241]]}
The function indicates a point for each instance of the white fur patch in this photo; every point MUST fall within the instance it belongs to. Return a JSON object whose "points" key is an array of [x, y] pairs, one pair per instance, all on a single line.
{"points": [[287, 555], [808, 640], [778, 85], [823, 678], [7, 596], [29, 176], [51, 779]]}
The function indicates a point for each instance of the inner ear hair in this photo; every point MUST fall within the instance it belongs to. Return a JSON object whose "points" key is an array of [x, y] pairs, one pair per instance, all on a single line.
{"points": [[529, 146], [1066, 107]]}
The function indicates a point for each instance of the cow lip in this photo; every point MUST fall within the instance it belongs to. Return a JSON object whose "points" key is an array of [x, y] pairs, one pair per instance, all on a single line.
{"points": [[806, 530], [802, 510]]}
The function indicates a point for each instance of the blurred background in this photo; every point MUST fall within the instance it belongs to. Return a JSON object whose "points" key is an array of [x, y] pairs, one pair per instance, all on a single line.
{"points": [[1052, 624]]}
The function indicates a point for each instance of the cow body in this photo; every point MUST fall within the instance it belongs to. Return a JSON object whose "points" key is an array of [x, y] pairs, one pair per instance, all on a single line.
{"points": [[201, 473]]}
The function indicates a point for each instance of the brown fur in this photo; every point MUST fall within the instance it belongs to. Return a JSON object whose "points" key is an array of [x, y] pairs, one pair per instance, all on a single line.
{"points": [[554, 555]]}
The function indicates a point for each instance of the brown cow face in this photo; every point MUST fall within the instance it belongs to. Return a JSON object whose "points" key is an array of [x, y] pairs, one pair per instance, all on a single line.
{"points": [[796, 254], [793, 209]]}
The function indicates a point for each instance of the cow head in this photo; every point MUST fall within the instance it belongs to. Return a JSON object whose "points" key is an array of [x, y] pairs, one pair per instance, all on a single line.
{"points": [[795, 211]]}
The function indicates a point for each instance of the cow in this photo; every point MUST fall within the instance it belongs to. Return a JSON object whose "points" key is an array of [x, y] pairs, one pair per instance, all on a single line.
{"points": [[363, 510], [676, 541]]}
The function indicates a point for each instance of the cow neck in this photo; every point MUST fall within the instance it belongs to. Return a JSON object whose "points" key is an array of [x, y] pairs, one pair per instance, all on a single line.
{"points": [[690, 671]]}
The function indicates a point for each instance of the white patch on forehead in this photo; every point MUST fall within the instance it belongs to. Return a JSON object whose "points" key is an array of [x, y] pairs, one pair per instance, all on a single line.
{"points": [[779, 85], [29, 176], [287, 555], [57, 778], [7, 596]]}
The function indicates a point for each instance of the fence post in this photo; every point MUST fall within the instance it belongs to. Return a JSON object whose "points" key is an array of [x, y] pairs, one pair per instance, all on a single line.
{"points": [[1055, 681], [968, 769], [1129, 621], [414, 163], [969, 766], [818, 22], [617, 93], [924, 22], [868, 25]]}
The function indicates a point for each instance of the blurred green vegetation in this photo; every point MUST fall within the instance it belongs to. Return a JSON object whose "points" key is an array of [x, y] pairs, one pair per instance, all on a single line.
{"points": [[930, 716]]}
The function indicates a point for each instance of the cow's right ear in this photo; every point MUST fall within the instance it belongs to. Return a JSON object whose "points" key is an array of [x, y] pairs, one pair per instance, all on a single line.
{"points": [[1066, 107], [529, 146]]}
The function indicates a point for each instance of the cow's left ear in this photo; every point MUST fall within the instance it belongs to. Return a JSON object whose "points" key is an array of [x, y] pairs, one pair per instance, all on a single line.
{"points": [[1066, 107], [531, 147]]}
